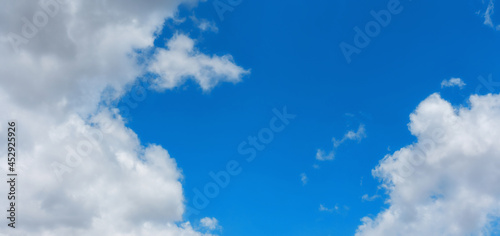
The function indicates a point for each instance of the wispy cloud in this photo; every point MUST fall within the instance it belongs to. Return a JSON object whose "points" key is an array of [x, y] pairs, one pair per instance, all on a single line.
{"points": [[351, 135], [326, 209], [204, 24], [369, 198], [303, 178], [210, 223], [358, 135], [487, 15], [490, 10], [322, 156], [453, 82], [335, 209]]}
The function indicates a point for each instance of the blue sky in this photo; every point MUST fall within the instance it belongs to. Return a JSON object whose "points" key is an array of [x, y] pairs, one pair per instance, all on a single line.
{"points": [[170, 117], [295, 60]]}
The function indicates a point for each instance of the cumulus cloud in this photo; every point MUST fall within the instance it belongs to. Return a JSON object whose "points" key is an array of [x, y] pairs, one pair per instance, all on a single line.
{"points": [[444, 184], [210, 223], [453, 82], [181, 61], [83, 171]]}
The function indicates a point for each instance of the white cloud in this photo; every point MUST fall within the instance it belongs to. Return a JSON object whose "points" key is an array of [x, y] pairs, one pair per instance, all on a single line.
{"points": [[334, 209], [210, 223], [204, 24], [303, 178], [452, 83], [490, 10], [326, 209], [369, 198], [444, 184], [359, 135], [181, 61], [488, 13], [321, 155], [54, 84]]}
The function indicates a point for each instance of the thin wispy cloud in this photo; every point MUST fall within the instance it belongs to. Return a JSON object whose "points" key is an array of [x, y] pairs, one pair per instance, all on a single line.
{"points": [[323, 156], [453, 82], [303, 178], [369, 198], [352, 135], [357, 135], [204, 24], [326, 209], [210, 223], [490, 10]]}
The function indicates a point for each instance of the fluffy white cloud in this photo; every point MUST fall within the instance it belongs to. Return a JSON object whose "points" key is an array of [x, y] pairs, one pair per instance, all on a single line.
{"points": [[452, 83], [210, 223], [82, 171], [445, 183], [181, 61]]}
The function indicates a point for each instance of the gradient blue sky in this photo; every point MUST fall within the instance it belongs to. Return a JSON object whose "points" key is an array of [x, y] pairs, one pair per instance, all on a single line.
{"points": [[292, 50]]}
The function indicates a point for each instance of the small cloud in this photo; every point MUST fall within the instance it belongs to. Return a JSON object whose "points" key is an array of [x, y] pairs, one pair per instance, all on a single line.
{"points": [[205, 25], [303, 178], [322, 156], [453, 82], [210, 223], [350, 135], [489, 12], [182, 61], [336, 209], [326, 209], [367, 197]]}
